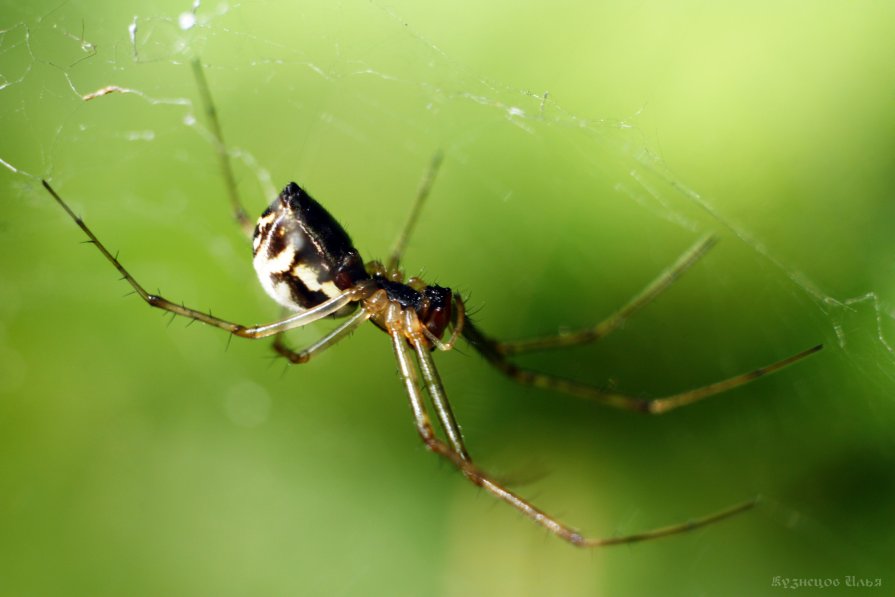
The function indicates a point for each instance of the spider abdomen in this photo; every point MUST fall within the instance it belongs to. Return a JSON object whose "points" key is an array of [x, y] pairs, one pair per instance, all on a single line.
{"points": [[301, 254]]}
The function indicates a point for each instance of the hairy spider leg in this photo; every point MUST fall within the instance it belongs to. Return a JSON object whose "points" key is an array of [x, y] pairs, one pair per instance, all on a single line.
{"points": [[297, 357], [402, 326], [239, 213], [421, 195], [488, 348], [614, 321], [324, 309], [436, 392]]}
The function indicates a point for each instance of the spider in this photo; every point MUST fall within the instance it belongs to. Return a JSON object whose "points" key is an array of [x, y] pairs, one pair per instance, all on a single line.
{"points": [[307, 263]]}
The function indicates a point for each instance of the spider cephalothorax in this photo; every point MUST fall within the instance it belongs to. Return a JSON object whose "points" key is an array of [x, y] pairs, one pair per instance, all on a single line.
{"points": [[433, 305]]}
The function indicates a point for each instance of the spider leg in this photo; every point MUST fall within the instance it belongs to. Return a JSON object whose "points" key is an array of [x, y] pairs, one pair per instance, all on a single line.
{"points": [[239, 212], [303, 318], [421, 194], [303, 356], [435, 387], [489, 349], [482, 479], [614, 321], [458, 320]]}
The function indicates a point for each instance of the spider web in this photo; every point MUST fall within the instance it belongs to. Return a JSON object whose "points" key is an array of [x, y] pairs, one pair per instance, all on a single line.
{"points": [[545, 214]]}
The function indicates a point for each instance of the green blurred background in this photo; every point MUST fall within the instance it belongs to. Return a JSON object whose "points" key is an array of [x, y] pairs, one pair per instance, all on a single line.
{"points": [[139, 458]]}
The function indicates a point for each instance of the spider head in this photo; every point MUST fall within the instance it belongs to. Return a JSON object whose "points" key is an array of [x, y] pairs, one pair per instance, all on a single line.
{"points": [[434, 309], [301, 254]]}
